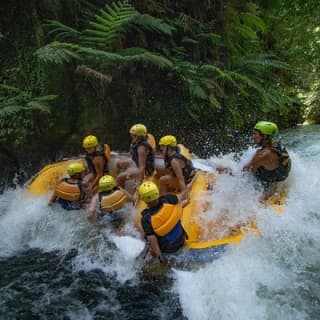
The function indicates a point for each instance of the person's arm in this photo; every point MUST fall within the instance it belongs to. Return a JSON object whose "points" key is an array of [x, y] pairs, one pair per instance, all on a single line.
{"points": [[98, 163], [154, 246], [52, 199], [86, 193], [138, 225], [183, 196], [176, 166], [142, 155], [91, 210], [257, 160]]}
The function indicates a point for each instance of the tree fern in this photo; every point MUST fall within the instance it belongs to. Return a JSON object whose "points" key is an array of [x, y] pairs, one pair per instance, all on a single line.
{"points": [[14, 105], [109, 24], [61, 31], [151, 58], [253, 21], [57, 52], [246, 32], [265, 60], [147, 22], [64, 52]]}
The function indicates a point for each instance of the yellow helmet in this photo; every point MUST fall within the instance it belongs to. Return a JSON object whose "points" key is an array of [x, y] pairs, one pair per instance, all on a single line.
{"points": [[106, 183], [148, 191], [75, 168], [90, 141], [138, 130], [168, 141]]}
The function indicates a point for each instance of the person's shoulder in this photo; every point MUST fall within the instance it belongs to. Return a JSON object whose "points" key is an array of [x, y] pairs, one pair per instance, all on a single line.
{"points": [[143, 145], [265, 152], [177, 159]]}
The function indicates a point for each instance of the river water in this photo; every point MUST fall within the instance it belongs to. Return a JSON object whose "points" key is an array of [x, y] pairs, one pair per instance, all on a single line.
{"points": [[53, 265]]}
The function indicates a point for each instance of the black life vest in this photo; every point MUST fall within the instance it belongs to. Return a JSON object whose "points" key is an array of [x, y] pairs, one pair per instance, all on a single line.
{"points": [[104, 152], [188, 171], [280, 173], [150, 156]]}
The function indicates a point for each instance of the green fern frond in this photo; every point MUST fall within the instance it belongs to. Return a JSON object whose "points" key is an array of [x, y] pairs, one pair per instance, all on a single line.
{"points": [[9, 88], [88, 9], [24, 101], [129, 56], [152, 24], [151, 58], [214, 38], [214, 102], [271, 97], [47, 98], [158, 60], [189, 40], [57, 52], [10, 109], [196, 91], [264, 60], [233, 76], [253, 21], [245, 32], [210, 68], [34, 105], [61, 31], [109, 24], [97, 56]]}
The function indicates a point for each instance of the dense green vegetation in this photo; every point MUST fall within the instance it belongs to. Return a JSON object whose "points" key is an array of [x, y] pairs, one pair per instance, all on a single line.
{"points": [[207, 67]]}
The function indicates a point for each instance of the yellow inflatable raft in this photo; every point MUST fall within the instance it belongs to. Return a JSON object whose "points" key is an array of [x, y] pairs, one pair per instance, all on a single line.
{"points": [[199, 236]]}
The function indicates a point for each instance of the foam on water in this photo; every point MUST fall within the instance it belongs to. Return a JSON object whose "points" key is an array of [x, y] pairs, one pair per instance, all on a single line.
{"points": [[275, 276], [27, 222]]}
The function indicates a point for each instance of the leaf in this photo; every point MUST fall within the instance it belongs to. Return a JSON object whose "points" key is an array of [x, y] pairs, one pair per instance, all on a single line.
{"points": [[36, 105], [246, 32], [214, 102], [153, 24], [57, 52], [61, 31], [50, 97], [189, 40], [11, 109], [253, 20], [265, 60], [109, 24]]}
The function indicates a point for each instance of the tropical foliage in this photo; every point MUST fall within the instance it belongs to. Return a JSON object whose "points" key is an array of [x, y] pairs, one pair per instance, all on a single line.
{"points": [[186, 50], [20, 114], [206, 67]]}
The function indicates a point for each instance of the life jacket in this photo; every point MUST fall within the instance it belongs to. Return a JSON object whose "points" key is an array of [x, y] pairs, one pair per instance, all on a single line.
{"points": [[112, 201], [68, 190], [105, 152], [182, 153], [149, 143], [280, 173], [167, 227]]}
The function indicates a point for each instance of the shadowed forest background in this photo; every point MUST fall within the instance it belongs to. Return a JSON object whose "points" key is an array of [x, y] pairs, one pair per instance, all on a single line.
{"points": [[204, 71]]}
